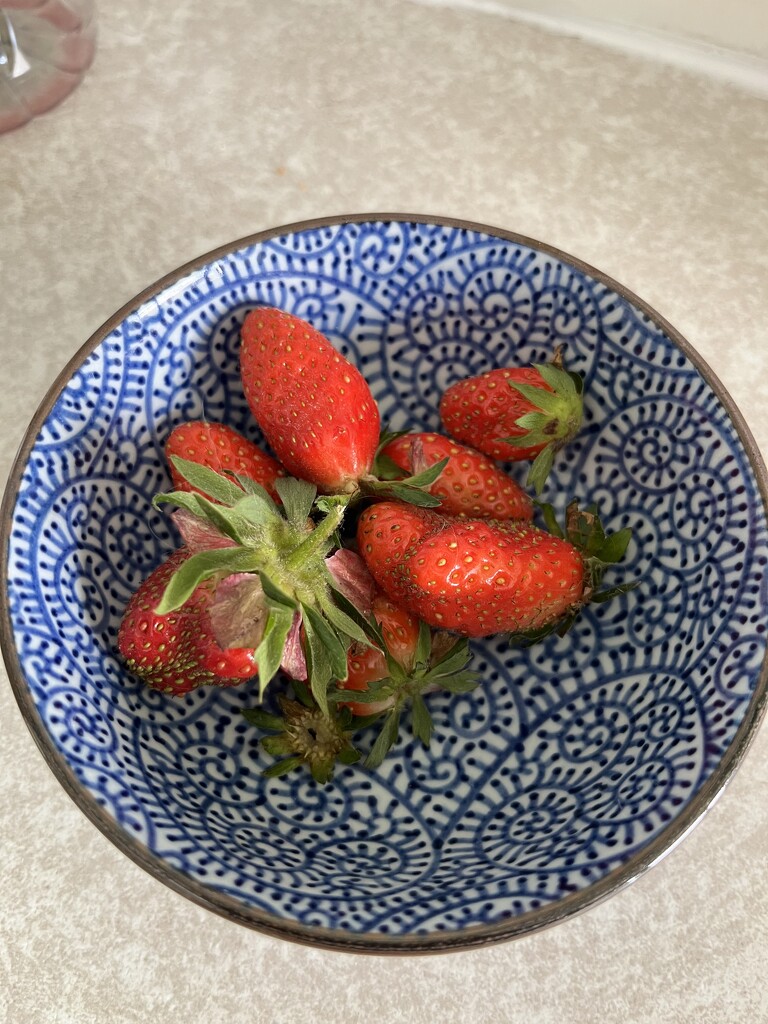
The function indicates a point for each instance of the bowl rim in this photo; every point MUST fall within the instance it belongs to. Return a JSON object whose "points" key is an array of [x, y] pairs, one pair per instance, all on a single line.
{"points": [[338, 939]]}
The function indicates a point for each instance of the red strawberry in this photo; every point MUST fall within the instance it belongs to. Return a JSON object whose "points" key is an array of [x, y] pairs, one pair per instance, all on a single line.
{"points": [[387, 533], [469, 485], [479, 577], [177, 652], [366, 665], [315, 408], [516, 413], [223, 449]]}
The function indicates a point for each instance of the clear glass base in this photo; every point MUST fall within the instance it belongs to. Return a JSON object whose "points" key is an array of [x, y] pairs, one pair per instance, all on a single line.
{"points": [[46, 46]]}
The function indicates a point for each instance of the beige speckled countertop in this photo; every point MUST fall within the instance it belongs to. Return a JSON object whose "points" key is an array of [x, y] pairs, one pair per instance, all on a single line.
{"points": [[196, 128]]}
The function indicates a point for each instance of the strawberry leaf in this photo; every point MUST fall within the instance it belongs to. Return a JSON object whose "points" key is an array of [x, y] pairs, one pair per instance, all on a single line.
{"points": [[584, 529], [412, 495], [385, 740], [250, 486], [262, 719], [546, 401], [335, 647], [278, 746], [427, 476], [562, 627], [460, 682], [303, 694], [275, 595], [561, 381], [200, 567], [257, 508], [269, 653], [282, 767], [423, 646], [321, 771], [385, 468], [540, 469], [550, 519], [297, 497], [211, 483], [187, 500], [421, 720], [454, 659], [375, 692], [387, 436], [412, 489], [532, 423], [369, 627], [333, 504], [350, 755], [344, 623], [622, 588], [326, 657], [231, 523], [615, 547], [528, 638]]}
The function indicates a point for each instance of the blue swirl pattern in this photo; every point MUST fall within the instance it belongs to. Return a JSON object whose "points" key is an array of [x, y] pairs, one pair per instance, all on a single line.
{"points": [[570, 758]]}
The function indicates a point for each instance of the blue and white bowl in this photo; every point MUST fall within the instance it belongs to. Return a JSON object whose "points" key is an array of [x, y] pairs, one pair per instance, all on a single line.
{"points": [[572, 769]]}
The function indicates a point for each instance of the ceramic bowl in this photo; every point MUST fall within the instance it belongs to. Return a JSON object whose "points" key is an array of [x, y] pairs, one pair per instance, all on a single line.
{"points": [[570, 770]]}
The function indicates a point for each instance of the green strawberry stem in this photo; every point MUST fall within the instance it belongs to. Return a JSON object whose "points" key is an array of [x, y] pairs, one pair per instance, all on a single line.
{"points": [[319, 537]]}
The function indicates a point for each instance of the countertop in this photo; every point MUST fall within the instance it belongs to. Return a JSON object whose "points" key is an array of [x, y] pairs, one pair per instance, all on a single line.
{"points": [[193, 129]]}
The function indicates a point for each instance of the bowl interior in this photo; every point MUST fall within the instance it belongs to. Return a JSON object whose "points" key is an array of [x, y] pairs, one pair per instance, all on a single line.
{"points": [[571, 768]]}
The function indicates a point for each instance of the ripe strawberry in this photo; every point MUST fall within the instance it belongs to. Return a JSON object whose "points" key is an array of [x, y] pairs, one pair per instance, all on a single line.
{"points": [[315, 408], [469, 485], [366, 665], [223, 449], [387, 533], [479, 577], [516, 413], [177, 652]]}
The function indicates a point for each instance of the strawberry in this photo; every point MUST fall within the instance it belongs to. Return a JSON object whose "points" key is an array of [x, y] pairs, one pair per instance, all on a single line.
{"points": [[177, 652], [223, 449], [366, 664], [314, 407], [469, 484], [516, 413], [480, 577]]}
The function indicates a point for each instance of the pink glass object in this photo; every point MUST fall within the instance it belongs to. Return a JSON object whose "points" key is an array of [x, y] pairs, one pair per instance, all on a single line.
{"points": [[46, 46]]}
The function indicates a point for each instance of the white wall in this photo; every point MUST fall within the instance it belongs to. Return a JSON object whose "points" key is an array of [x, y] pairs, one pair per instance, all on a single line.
{"points": [[721, 39], [740, 25]]}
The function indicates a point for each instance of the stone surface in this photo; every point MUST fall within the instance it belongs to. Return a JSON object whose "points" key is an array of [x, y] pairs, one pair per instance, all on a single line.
{"points": [[193, 129]]}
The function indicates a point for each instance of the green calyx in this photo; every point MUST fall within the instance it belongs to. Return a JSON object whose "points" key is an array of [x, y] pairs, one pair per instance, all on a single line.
{"points": [[599, 550], [386, 479], [435, 666], [305, 735], [285, 548], [555, 420]]}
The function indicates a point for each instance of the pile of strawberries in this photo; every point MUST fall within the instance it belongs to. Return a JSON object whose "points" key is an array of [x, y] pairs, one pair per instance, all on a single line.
{"points": [[357, 563]]}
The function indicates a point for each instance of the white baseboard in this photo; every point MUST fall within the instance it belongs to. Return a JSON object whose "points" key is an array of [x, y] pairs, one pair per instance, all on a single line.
{"points": [[740, 69]]}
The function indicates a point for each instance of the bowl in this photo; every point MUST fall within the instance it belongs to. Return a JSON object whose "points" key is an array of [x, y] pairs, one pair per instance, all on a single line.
{"points": [[575, 765]]}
